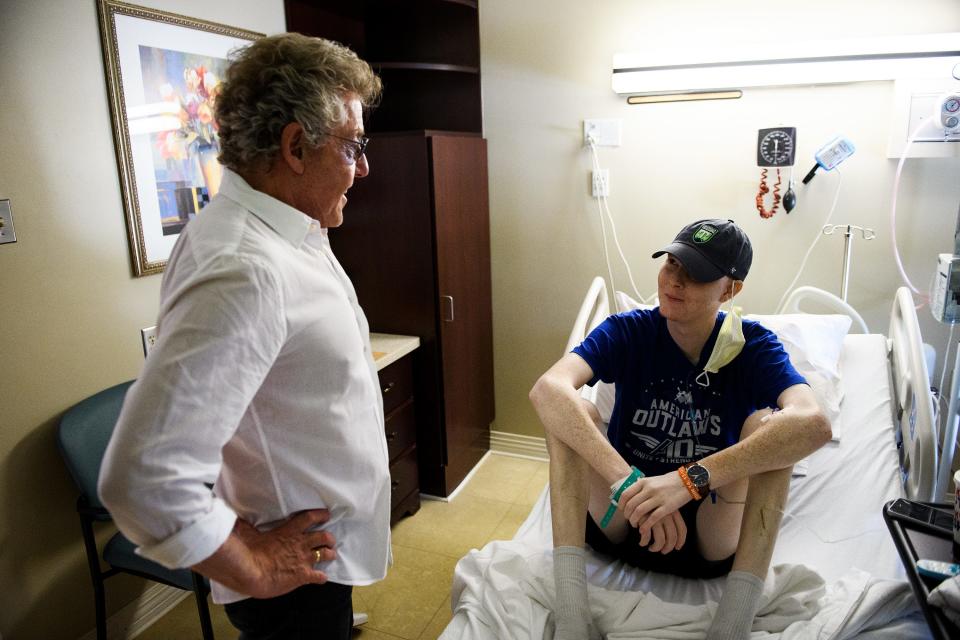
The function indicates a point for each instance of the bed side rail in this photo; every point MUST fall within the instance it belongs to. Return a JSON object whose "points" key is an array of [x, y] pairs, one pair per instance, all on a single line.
{"points": [[913, 402], [593, 310]]}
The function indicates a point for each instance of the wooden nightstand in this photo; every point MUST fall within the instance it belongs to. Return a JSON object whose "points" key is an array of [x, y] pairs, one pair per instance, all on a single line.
{"points": [[395, 369]]}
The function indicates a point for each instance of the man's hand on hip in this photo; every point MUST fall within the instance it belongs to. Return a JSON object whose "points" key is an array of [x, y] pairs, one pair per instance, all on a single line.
{"points": [[266, 564]]}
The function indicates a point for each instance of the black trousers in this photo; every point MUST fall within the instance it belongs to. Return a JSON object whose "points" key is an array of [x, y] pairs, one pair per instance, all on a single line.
{"points": [[310, 612]]}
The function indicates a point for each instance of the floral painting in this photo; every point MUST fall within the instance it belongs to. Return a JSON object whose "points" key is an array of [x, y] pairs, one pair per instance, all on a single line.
{"points": [[163, 73], [184, 156]]}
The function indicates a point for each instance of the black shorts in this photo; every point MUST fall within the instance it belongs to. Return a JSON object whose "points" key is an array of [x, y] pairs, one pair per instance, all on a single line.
{"points": [[686, 562]]}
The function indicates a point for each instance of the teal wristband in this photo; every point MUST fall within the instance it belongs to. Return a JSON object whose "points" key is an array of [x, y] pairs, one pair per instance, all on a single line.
{"points": [[635, 475]]}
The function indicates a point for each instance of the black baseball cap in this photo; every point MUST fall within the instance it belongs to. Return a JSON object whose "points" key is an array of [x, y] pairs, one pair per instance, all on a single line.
{"points": [[711, 249]]}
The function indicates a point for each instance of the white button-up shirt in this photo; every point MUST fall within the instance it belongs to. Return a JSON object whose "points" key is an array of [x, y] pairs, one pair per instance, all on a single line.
{"points": [[261, 382]]}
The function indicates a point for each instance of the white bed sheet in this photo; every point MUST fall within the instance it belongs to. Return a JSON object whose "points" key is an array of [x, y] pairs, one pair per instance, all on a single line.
{"points": [[848, 482], [834, 524]]}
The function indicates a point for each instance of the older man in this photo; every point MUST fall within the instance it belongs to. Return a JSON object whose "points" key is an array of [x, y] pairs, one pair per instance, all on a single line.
{"points": [[261, 382], [693, 471]]}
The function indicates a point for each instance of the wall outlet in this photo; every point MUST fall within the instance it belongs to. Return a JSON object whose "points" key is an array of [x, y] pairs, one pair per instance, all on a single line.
{"points": [[149, 338], [605, 132], [601, 183]]}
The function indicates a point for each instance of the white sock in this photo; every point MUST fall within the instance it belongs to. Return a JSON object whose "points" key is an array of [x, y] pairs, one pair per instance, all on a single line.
{"points": [[572, 613], [737, 607]]}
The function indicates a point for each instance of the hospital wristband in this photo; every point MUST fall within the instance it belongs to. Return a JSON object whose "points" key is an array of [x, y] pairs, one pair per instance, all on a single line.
{"points": [[628, 482]]}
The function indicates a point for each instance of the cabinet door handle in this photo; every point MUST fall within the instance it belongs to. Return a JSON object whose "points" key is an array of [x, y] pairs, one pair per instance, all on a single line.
{"points": [[394, 485], [392, 436], [450, 298], [387, 388]]}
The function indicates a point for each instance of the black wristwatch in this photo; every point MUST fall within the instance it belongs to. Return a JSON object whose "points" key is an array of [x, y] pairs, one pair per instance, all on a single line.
{"points": [[700, 478]]}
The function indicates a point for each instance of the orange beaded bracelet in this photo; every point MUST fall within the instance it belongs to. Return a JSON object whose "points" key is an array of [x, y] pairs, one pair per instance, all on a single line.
{"points": [[688, 483]]}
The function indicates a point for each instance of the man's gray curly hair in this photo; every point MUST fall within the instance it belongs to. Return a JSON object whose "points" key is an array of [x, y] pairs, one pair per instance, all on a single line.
{"points": [[282, 79]]}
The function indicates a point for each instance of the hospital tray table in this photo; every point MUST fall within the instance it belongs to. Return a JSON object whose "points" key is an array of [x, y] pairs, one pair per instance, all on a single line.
{"points": [[913, 544]]}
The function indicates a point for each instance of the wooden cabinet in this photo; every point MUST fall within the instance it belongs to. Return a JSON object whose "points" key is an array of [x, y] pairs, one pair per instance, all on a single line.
{"points": [[399, 411], [416, 239]]}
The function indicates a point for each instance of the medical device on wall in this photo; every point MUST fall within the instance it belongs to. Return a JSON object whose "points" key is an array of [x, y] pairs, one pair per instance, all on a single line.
{"points": [[776, 148], [945, 297], [945, 292], [830, 155], [946, 112]]}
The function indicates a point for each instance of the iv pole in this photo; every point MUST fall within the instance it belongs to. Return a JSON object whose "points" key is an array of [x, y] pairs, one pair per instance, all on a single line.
{"points": [[867, 234]]}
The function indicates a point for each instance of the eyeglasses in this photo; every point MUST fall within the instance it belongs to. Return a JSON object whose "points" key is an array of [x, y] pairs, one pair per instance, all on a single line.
{"points": [[358, 147]]}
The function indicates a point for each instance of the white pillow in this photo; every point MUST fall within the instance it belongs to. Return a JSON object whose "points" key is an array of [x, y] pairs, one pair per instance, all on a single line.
{"points": [[814, 343], [627, 303]]}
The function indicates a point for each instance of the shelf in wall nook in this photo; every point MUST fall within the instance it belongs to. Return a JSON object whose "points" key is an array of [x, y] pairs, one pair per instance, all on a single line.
{"points": [[467, 3], [356, 8], [424, 66]]}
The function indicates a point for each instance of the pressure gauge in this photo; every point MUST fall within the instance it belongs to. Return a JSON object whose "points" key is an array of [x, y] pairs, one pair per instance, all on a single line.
{"points": [[776, 147], [947, 112]]}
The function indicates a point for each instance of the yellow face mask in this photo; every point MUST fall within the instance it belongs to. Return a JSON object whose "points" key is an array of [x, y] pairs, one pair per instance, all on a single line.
{"points": [[728, 346]]}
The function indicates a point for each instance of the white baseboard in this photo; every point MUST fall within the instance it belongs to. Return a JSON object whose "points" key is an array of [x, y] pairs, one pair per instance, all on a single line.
{"points": [[463, 483], [501, 444], [517, 445], [136, 617]]}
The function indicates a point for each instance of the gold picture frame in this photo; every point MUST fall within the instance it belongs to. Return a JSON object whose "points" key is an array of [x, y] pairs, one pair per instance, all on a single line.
{"points": [[163, 72]]}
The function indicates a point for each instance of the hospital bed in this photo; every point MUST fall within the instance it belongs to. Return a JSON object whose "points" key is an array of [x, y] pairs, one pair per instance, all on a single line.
{"points": [[835, 572]]}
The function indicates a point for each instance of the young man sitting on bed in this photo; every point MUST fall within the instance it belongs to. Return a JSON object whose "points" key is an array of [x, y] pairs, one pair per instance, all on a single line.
{"points": [[696, 411]]}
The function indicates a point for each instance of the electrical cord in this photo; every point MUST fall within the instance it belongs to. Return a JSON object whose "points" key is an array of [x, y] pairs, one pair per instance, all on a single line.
{"points": [[941, 396], [893, 208], [603, 226], [806, 256], [604, 207]]}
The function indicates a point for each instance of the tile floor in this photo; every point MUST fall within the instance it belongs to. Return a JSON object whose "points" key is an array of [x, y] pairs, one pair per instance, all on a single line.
{"points": [[413, 602]]}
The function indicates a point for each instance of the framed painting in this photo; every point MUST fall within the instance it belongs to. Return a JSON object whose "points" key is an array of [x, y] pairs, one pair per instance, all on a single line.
{"points": [[163, 75]]}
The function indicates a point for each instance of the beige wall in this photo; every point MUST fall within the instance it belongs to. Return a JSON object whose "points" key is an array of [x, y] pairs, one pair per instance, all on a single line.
{"points": [[70, 311], [546, 66]]}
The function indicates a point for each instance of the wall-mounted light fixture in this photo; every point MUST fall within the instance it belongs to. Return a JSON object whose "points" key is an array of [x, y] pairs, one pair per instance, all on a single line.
{"points": [[688, 73], [685, 96]]}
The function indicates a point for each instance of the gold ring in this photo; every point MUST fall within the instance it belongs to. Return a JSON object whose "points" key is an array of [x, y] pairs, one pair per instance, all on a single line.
{"points": [[317, 556]]}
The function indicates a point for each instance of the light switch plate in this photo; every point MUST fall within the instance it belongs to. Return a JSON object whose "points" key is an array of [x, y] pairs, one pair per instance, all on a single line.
{"points": [[7, 233]]}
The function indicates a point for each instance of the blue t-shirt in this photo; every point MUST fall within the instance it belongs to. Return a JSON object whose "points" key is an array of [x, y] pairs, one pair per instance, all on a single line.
{"points": [[662, 417]]}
